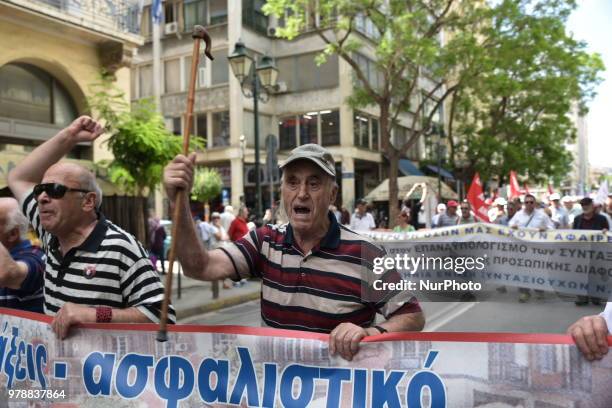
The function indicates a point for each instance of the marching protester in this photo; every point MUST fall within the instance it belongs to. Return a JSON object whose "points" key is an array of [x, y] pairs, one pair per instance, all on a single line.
{"points": [[440, 209], [511, 208], [22, 265], [450, 217], [571, 207], [494, 216], [308, 280], [239, 226], [403, 221], [466, 214], [559, 216], [227, 216], [530, 217], [361, 220], [95, 271]]}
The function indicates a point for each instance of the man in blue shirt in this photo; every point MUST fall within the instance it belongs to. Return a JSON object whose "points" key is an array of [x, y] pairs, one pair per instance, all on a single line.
{"points": [[22, 265]]}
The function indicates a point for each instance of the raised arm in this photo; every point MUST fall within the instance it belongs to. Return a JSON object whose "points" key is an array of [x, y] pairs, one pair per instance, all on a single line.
{"points": [[197, 262], [31, 170]]}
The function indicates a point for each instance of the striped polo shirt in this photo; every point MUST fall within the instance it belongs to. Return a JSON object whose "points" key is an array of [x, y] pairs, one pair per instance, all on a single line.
{"points": [[29, 296], [315, 291], [110, 268]]}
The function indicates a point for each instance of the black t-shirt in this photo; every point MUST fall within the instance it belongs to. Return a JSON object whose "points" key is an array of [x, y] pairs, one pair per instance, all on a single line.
{"points": [[597, 222]]}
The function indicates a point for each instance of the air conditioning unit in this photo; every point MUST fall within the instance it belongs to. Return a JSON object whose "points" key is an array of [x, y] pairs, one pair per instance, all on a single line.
{"points": [[281, 87], [271, 31], [171, 28]]}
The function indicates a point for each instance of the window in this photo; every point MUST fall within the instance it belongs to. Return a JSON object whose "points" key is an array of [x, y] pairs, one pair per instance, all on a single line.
{"points": [[220, 67], [253, 17], [200, 129], [174, 126], [221, 129], [195, 13], [172, 75], [361, 124], [146, 80], [330, 128], [287, 128], [374, 124], [301, 73], [29, 93], [308, 128], [201, 80], [369, 70], [145, 22], [218, 12], [169, 14]]}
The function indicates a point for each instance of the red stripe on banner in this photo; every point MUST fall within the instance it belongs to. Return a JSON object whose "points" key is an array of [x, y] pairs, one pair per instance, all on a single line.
{"points": [[479, 337]]}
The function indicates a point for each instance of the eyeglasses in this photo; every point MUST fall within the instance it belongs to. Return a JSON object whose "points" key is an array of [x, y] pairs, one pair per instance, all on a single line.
{"points": [[55, 190], [529, 202], [465, 209]]}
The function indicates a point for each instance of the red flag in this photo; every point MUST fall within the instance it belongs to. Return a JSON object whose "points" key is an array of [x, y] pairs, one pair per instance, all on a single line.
{"points": [[515, 190], [476, 199]]}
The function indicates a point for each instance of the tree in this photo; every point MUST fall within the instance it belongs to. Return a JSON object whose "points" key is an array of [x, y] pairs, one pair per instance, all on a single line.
{"points": [[139, 141], [515, 115], [406, 41], [207, 184]]}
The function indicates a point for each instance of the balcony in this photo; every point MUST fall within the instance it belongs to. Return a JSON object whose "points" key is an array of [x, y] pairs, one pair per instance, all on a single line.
{"points": [[115, 18]]}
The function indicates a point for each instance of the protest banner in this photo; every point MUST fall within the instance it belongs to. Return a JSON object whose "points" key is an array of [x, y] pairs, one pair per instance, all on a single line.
{"points": [[122, 365], [570, 262]]}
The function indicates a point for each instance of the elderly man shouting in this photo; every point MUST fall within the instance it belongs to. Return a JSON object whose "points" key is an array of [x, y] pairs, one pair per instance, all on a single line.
{"points": [[311, 268], [95, 271]]}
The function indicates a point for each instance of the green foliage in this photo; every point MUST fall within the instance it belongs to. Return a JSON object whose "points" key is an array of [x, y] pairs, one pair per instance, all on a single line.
{"points": [[515, 115], [207, 185], [139, 141]]}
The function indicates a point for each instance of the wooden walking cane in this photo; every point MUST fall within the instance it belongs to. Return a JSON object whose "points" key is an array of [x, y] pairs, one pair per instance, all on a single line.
{"points": [[199, 33]]}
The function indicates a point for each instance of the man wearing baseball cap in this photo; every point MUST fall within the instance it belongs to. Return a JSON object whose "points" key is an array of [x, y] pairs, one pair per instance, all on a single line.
{"points": [[310, 280], [450, 217], [560, 216]]}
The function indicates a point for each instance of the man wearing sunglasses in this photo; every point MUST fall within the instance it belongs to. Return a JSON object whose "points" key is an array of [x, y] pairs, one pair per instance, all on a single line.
{"points": [[530, 217], [95, 271]]}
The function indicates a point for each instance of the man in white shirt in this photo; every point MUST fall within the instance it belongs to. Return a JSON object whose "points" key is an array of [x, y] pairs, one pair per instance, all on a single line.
{"points": [[590, 333], [530, 217], [227, 216], [560, 216], [362, 220]]}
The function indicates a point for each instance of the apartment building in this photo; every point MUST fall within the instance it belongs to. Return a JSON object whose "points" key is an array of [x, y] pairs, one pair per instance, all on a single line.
{"points": [[308, 105]]}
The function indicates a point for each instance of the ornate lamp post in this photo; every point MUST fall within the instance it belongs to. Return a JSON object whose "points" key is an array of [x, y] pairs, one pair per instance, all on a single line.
{"points": [[257, 81]]}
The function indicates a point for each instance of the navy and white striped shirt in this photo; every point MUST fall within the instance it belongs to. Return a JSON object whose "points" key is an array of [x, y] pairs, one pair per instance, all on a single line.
{"points": [[110, 268]]}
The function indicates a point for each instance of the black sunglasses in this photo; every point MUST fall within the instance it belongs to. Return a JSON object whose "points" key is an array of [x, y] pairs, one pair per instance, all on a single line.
{"points": [[55, 190], [529, 202]]}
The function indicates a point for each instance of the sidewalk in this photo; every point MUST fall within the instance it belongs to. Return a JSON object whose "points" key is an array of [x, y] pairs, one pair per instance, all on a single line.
{"points": [[197, 298]]}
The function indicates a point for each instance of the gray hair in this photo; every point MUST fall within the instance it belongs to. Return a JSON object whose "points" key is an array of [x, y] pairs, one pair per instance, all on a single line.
{"points": [[88, 182], [16, 219]]}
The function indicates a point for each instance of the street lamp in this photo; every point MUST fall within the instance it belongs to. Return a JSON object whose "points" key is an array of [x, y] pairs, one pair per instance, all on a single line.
{"points": [[242, 148], [257, 81]]}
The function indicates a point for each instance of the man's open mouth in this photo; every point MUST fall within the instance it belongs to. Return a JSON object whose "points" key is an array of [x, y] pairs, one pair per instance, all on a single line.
{"points": [[300, 209]]}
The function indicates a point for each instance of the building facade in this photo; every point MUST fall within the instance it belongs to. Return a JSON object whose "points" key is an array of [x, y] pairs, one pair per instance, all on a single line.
{"points": [[308, 106], [51, 52]]}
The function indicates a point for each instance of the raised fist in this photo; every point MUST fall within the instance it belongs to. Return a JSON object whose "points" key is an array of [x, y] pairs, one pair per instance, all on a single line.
{"points": [[84, 129]]}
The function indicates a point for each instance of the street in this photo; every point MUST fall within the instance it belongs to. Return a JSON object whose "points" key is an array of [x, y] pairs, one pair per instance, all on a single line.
{"points": [[504, 314]]}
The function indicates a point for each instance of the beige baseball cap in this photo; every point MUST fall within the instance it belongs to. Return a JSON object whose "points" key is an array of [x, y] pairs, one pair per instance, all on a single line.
{"points": [[316, 154]]}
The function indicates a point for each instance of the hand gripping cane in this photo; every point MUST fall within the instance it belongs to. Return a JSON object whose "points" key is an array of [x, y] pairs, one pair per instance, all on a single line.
{"points": [[199, 33]]}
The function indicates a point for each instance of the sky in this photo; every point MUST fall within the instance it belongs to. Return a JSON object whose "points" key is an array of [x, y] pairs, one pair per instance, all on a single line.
{"points": [[590, 22]]}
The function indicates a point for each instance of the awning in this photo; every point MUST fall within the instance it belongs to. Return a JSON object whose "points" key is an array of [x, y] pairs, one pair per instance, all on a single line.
{"points": [[439, 170], [409, 169], [381, 193]]}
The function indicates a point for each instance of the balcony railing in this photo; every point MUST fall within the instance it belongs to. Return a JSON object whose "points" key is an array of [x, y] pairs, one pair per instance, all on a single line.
{"points": [[118, 15]]}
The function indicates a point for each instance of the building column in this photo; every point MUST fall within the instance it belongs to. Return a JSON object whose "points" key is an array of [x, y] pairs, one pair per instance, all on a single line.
{"points": [[348, 182], [237, 181]]}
